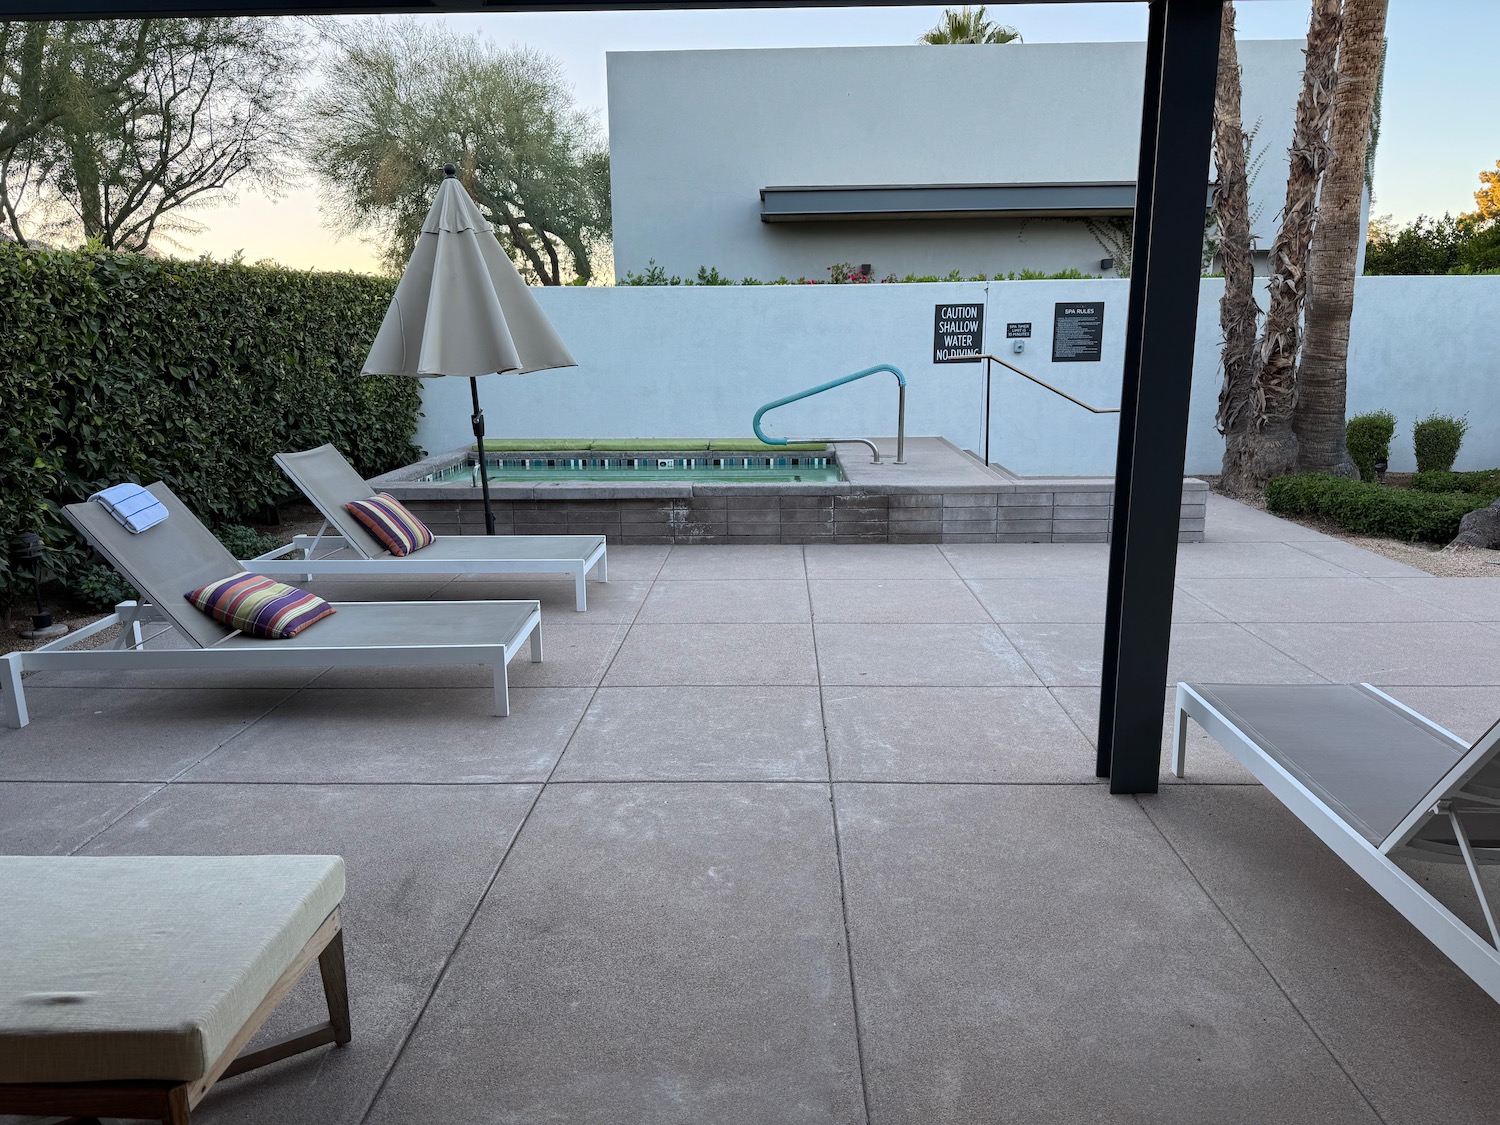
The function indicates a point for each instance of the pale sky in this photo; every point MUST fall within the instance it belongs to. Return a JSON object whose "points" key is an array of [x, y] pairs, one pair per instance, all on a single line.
{"points": [[1438, 130]]}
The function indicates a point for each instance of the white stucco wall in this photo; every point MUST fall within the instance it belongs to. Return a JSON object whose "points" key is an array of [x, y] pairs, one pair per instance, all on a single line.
{"points": [[695, 135], [697, 362]]}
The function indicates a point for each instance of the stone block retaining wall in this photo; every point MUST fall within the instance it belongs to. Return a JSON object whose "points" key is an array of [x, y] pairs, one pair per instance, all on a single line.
{"points": [[1028, 512]]}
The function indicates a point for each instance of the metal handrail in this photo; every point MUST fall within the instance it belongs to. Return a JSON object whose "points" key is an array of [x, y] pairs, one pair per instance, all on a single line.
{"points": [[1039, 382], [828, 386]]}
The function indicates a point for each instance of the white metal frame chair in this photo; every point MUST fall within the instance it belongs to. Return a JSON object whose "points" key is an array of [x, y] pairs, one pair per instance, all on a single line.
{"points": [[1375, 781], [330, 482], [180, 554]]}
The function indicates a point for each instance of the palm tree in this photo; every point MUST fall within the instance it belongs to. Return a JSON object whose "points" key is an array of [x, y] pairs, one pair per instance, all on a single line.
{"points": [[1259, 444], [968, 25], [1239, 315], [1322, 378]]}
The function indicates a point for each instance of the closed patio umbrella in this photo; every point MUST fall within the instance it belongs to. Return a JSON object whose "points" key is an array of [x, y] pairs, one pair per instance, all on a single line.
{"points": [[462, 309]]}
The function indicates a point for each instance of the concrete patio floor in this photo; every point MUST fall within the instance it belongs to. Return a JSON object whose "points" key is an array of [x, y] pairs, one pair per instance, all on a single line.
{"points": [[810, 834]]}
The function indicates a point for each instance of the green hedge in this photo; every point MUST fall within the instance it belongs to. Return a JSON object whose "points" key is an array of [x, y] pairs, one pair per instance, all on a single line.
{"points": [[1484, 481], [1373, 509], [119, 367]]}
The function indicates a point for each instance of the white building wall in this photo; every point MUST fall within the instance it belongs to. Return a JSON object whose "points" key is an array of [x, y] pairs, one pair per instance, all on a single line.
{"points": [[680, 362], [695, 135]]}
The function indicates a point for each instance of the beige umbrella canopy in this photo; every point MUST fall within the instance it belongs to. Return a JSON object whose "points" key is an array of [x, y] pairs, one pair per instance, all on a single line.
{"points": [[462, 309]]}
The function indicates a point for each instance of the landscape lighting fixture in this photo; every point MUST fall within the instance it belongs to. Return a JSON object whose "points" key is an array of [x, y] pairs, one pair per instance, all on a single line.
{"points": [[28, 546]]}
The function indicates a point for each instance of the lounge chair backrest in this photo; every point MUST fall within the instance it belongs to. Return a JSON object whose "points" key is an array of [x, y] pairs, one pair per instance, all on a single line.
{"points": [[1475, 776], [330, 482], [163, 562]]}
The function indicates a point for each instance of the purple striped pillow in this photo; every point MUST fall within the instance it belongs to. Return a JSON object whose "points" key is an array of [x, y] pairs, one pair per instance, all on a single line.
{"points": [[387, 519], [259, 606]]}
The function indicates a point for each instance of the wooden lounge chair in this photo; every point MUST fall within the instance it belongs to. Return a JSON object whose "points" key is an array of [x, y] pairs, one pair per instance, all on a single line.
{"points": [[330, 482], [1375, 781], [180, 554], [129, 985]]}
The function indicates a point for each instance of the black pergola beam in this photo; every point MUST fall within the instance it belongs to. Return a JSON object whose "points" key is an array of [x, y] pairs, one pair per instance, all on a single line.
{"points": [[122, 9], [1166, 264]]}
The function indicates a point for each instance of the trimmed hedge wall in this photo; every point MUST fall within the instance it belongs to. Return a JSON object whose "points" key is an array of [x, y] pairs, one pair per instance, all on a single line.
{"points": [[1373, 509], [1485, 482], [119, 367]]}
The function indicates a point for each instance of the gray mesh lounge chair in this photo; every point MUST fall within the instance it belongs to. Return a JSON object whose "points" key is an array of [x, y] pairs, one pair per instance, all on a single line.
{"points": [[180, 554], [1376, 782], [330, 482]]}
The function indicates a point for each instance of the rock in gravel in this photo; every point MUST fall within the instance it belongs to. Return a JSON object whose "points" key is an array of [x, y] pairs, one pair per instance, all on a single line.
{"points": [[1480, 528]]}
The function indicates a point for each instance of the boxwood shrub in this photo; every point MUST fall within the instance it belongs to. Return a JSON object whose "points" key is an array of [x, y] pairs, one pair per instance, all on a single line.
{"points": [[1437, 439], [1484, 481], [1373, 509], [119, 367], [1368, 438]]}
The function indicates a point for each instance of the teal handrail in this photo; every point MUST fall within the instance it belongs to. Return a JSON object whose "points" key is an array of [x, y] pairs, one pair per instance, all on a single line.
{"points": [[828, 386]]}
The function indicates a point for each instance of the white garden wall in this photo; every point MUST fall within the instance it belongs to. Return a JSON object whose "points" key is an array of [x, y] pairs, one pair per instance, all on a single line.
{"points": [[697, 362]]}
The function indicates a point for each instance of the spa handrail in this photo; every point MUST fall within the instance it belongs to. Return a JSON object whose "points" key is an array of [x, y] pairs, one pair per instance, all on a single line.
{"points": [[989, 359], [828, 386], [1049, 386]]}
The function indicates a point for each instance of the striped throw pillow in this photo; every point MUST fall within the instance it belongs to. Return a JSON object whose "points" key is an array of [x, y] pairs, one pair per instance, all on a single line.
{"points": [[259, 606], [387, 519]]}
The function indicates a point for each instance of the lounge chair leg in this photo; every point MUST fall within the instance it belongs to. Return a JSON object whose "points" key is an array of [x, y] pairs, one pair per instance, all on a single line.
{"points": [[176, 1110], [12, 692], [336, 988], [1179, 738], [580, 590], [502, 689], [536, 645]]}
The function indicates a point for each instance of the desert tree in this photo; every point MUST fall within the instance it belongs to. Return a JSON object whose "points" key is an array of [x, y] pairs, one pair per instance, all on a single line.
{"points": [[1487, 198], [399, 99], [134, 122]]}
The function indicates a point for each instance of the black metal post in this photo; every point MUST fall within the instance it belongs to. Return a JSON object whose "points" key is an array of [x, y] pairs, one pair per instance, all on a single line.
{"points": [[988, 367], [1177, 126], [1130, 377], [484, 473]]}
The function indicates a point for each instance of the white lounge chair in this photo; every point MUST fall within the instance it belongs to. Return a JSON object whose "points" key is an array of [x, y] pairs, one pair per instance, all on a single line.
{"points": [[1375, 781], [180, 554], [330, 482], [129, 985]]}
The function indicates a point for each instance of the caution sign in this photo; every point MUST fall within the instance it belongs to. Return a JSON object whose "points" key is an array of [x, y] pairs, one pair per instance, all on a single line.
{"points": [[1077, 332], [957, 333]]}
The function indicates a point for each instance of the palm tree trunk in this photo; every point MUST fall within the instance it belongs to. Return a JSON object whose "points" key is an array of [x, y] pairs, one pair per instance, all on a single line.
{"points": [[1239, 315], [1322, 378], [1273, 449]]}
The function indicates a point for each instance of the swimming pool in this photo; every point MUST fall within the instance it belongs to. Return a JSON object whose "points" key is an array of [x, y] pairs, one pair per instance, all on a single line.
{"points": [[820, 468]]}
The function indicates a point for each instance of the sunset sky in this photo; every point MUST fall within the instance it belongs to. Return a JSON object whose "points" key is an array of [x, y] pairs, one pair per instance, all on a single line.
{"points": [[1438, 128]]}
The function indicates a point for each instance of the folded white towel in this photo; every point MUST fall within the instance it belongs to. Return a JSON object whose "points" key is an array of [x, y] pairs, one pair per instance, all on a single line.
{"points": [[132, 506]]}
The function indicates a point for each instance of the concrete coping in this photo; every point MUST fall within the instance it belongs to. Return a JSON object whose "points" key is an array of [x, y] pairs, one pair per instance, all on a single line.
{"points": [[934, 467]]}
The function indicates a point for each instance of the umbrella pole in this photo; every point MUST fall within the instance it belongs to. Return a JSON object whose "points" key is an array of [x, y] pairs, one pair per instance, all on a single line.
{"points": [[484, 476]]}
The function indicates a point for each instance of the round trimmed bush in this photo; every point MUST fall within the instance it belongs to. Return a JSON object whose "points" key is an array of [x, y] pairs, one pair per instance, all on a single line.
{"points": [[1368, 437], [1437, 438]]}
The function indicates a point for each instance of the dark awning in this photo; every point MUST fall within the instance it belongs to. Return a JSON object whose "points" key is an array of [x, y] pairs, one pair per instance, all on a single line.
{"points": [[946, 201]]}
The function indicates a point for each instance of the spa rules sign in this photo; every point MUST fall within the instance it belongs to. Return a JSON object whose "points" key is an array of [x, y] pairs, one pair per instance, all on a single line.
{"points": [[957, 333]]}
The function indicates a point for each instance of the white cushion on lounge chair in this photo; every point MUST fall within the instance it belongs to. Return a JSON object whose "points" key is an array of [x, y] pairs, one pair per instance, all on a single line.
{"points": [[145, 967]]}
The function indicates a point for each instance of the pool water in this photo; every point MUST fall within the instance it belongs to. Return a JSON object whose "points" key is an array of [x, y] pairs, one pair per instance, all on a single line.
{"points": [[818, 469]]}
